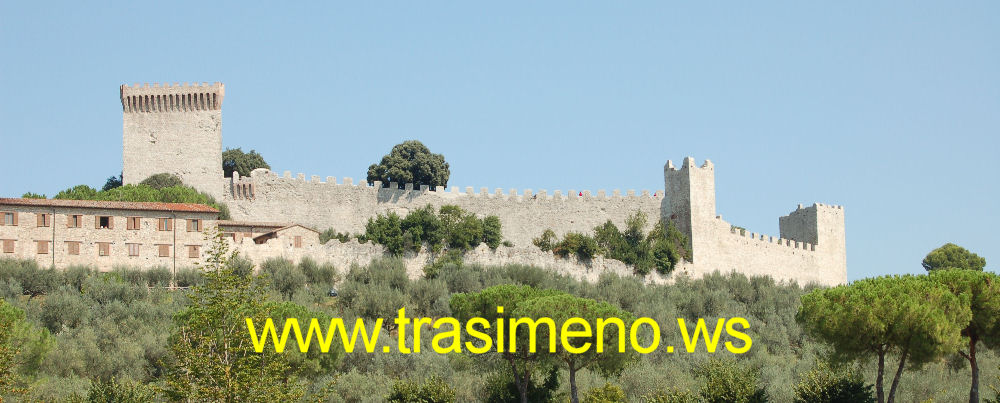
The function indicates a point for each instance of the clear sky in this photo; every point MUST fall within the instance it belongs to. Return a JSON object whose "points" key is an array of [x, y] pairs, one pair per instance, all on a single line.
{"points": [[891, 109]]}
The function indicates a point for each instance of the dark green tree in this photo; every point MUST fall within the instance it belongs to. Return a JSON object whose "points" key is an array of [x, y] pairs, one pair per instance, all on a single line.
{"points": [[912, 317], [234, 159], [434, 390], [824, 384], [162, 180], [726, 381], [981, 290], [483, 304], [113, 182], [579, 352], [410, 162], [951, 256]]}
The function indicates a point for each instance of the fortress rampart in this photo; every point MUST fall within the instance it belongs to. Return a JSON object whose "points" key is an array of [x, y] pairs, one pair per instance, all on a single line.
{"points": [[177, 129]]}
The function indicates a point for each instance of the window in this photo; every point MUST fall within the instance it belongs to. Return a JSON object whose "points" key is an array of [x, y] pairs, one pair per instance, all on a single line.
{"points": [[43, 247], [164, 250], [298, 241], [103, 248], [133, 249], [72, 247], [104, 222], [9, 219], [134, 223], [8, 246], [74, 221], [164, 224], [194, 251], [44, 220], [194, 225]]}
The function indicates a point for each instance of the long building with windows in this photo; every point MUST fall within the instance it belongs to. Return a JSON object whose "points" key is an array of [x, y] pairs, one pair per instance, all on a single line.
{"points": [[104, 234]]}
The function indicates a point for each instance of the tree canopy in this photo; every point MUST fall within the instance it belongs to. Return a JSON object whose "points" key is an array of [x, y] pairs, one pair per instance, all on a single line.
{"points": [[234, 159], [162, 180], [981, 292], [579, 351], [483, 304], [410, 162], [911, 316], [951, 256]]}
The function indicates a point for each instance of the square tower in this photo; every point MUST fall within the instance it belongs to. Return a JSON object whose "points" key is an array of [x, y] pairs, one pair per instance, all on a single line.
{"points": [[175, 129], [690, 201]]}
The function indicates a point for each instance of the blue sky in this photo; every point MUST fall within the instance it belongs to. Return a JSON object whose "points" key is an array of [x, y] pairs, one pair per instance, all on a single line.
{"points": [[891, 109]]}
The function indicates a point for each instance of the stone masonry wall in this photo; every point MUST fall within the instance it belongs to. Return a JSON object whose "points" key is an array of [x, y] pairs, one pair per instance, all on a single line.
{"points": [[347, 207], [27, 232]]}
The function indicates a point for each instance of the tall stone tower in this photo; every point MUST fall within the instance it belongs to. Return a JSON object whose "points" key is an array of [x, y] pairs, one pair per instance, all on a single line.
{"points": [[175, 129], [690, 201]]}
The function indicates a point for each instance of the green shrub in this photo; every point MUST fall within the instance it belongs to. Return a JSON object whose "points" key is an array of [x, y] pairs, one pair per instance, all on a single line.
{"points": [[574, 243], [162, 180], [671, 396], [120, 391], [330, 233], [451, 227], [286, 277], [241, 266], [158, 276], [492, 235], [189, 277], [501, 388], [145, 193], [451, 257], [605, 394], [433, 390], [386, 230], [324, 274], [726, 381], [130, 275], [659, 250], [75, 275], [31, 195], [824, 385]]}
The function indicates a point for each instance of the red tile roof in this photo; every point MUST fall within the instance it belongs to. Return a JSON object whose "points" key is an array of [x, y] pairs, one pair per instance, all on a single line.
{"points": [[231, 223], [111, 205]]}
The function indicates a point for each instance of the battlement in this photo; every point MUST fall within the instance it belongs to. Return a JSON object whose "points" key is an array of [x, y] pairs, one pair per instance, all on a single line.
{"points": [[172, 97], [767, 239], [242, 188], [688, 162]]}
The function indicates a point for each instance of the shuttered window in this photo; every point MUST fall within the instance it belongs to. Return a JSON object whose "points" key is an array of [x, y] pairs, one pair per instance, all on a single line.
{"points": [[298, 241], [9, 218], [194, 251], [43, 220], [164, 224], [103, 248], [43, 247], [193, 225], [133, 249], [73, 247], [8, 246], [164, 250], [74, 221], [134, 223]]}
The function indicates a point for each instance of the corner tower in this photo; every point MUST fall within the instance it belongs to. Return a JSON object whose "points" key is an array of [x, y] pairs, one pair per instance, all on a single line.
{"points": [[690, 201], [175, 129]]}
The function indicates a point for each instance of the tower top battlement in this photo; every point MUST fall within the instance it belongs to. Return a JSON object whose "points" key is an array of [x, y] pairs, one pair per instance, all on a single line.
{"points": [[172, 97]]}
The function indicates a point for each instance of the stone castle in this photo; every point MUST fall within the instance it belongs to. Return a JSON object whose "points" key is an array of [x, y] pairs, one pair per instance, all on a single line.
{"points": [[178, 129]]}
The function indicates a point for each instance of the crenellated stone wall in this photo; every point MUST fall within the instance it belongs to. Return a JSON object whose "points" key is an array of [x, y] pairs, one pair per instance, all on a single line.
{"points": [[347, 207], [177, 129]]}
